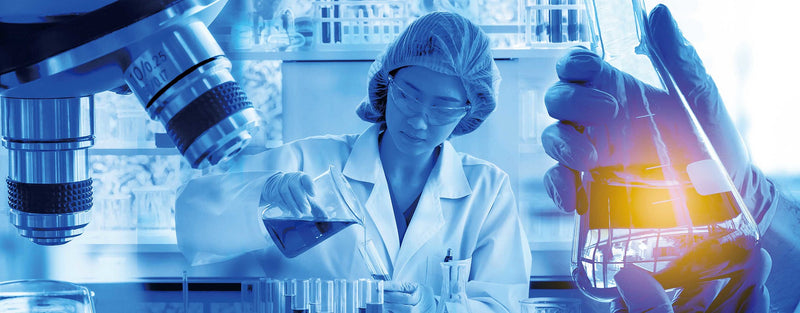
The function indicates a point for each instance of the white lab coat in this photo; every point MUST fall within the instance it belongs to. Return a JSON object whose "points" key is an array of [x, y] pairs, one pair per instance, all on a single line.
{"points": [[467, 205]]}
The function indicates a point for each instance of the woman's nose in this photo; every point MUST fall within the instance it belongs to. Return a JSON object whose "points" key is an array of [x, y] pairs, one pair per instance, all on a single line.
{"points": [[418, 121]]}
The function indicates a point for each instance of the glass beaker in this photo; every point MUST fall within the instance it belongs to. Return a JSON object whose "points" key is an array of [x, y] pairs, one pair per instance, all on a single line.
{"points": [[334, 206], [43, 296], [660, 198], [454, 287]]}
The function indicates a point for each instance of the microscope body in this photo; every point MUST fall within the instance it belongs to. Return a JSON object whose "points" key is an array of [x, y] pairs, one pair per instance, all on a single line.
{"points": [[52, 63]]}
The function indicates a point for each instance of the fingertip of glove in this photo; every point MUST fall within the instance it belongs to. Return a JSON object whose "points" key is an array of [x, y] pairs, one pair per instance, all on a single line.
{"points": [[639, 289], [560, 187], [663, 28], [579, 65]]}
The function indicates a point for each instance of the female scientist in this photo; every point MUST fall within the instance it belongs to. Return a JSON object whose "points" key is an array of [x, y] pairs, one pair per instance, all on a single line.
{"points": [[436, 80]]}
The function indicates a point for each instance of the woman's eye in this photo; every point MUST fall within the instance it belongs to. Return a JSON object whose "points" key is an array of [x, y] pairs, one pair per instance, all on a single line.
{"points": [[443, 110]]}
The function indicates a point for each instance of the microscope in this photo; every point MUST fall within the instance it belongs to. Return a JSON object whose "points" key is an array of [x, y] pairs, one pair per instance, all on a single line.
{"points": [[53, 58]]}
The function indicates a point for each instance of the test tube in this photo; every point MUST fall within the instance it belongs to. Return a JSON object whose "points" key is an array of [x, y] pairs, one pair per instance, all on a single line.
{"points": [[363, 294], [555, 23], [275, 301], [541, 22], [375, 297], [352, 296], [315, 295], [340, 294], [326, 25], [300, 303], [572, 21], [373, 261], [289, 289], [327, 293]]}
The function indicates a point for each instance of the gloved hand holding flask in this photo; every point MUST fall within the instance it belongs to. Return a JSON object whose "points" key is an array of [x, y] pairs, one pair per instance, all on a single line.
{"points": [[290, 191], [636, 163], [299, 212]]}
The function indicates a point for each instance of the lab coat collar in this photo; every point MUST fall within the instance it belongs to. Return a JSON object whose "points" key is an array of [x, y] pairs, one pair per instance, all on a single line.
{"points": [[364, 164], [451, 171]]}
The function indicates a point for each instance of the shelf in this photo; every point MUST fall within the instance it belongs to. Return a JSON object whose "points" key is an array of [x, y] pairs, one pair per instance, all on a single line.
{"points": [[545, 51]]}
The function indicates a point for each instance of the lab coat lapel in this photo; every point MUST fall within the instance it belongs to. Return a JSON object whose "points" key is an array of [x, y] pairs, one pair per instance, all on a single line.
{"points": [[426, 222], [447, 180], [364, 164], [379, 208]]}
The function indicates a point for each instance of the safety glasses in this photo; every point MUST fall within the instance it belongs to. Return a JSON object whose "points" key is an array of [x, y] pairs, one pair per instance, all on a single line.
{"points": [[435, 114]]}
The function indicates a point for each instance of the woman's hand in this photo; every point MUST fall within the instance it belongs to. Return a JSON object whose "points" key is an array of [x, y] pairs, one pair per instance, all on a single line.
{"points": [[408, 297], [290, 192]]}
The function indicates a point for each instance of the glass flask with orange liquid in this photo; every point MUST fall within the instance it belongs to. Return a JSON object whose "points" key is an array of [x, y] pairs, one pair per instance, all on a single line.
{"points": [[663, 201]]}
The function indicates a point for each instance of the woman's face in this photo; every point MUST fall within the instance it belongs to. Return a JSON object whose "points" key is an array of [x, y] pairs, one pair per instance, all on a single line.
{"points": [[422, 108]]}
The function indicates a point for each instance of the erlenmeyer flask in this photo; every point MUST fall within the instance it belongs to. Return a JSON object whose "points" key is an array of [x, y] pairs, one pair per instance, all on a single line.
{"points": [[333, 207], [662, 201], [454, 287]]}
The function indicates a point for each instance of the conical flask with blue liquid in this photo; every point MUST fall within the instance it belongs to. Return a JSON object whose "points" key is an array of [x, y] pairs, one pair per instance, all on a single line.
{"points": [[334, 207]]}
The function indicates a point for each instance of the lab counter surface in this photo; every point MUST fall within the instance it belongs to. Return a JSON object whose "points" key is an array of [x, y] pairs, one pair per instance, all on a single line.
{"points": [[240, 294]]}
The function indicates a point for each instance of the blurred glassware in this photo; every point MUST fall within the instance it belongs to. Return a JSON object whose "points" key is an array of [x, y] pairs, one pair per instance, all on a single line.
{"points": [[114, 212], [465, 8], [155, 206], [454, 286], [283, 36], [132, 127], [45, 296], [550, 305], [554, 23], [358, 25]]}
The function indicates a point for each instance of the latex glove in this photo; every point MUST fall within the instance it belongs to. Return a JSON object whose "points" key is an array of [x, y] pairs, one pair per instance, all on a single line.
{"points": [[290, 192], [407, 297], [640, 291], [592, 96], [736, 284]]}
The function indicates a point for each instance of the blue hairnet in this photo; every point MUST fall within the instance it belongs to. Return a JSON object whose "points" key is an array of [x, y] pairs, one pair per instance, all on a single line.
{"points": [[446, 43]]}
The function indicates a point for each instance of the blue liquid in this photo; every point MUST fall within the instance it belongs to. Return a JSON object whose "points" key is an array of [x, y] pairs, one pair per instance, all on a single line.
{"points": [[287, 303], [381, 277], [295, 236], [372, 308]]}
